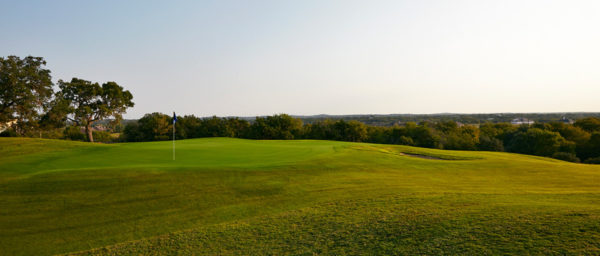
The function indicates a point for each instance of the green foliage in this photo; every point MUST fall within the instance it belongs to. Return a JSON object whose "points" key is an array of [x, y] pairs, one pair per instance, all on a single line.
{"points": [[103, 136], [213, 127], [589, 124], [463, 138], [487, 143], [590, 148], [403, 140], [349, 131], [377, 134], [593, 160], [276, 127], [321, 130], [187, 127], [57, 115], [501, 131], [132, 133], [570, 132], [73, 133], [570, 157], [53, 134], [25, 88], [536, 141], [89, 102], [151, 127], [10, 132], [237, 128], [400, 119], [423, 135]]}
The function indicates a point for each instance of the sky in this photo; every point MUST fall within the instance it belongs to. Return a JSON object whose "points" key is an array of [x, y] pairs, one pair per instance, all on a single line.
{"points": [[248, 58]]}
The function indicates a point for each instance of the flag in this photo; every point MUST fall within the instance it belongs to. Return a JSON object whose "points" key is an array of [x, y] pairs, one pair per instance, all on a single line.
{"points": [[174, 118]]}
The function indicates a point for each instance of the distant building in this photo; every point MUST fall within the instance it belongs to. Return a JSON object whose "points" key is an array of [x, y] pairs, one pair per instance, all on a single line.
{"points": [[100, 127], [520, 121], [566, 120]]}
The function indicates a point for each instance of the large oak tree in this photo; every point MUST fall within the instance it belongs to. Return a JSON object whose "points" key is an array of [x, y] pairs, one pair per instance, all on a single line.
{"points": [[25, 88], [89, 102]]}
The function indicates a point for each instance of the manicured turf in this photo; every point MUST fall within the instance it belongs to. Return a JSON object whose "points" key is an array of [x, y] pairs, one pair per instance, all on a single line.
{"points": [[232, 196]]}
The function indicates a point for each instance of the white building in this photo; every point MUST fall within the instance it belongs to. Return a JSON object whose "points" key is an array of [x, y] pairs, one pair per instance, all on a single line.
{"points": [[520, 121], [566, 120]]}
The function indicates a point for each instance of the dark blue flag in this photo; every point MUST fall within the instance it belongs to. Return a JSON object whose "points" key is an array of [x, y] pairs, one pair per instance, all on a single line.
{"points": [[174, 118]]}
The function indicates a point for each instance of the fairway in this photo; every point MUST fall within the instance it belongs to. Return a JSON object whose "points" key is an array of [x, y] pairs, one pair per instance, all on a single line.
{"points": [[224, 196]]}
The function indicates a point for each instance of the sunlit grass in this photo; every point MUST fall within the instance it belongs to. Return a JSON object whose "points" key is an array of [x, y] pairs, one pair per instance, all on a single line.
{"points": [[233, 196]]}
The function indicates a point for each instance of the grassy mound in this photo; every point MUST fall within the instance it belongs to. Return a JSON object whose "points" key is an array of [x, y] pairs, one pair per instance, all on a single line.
{"points": [[233, 196]]}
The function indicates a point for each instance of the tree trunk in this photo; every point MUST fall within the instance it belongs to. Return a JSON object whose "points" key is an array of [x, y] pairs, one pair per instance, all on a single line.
{"points": [[88, 131]]}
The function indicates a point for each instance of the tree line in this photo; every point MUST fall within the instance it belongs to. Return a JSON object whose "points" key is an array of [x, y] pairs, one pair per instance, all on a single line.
{"points": [[393, 119], [578, 142], [30, 104]]}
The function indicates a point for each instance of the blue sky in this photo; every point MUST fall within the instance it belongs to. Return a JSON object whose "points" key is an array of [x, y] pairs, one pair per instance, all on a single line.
{"points": [[246, 58]]}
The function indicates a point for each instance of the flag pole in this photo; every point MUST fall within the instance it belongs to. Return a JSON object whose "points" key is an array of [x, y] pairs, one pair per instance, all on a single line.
{"points": [[174, 135]]}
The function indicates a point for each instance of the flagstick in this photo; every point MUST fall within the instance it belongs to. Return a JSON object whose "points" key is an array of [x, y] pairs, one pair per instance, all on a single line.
{"points": [[173, 141]]}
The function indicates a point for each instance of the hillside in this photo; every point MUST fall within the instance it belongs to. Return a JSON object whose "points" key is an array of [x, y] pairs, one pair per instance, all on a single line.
{"points": [[233, 196]]}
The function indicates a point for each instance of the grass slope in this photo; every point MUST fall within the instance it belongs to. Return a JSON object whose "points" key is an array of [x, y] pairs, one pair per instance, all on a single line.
{"points": [[232, 196]]}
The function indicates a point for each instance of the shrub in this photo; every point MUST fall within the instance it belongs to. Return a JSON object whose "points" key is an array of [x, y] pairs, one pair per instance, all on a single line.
{"points": [[570, 157], [102, 136], [536, 141], [590, 124], [10, 132], [73, 133], [593, 160], [53, 134], [403, 140], [132, 133], [490, 144]]}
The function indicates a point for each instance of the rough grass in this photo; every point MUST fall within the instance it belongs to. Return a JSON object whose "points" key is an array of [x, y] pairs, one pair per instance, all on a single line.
{"points": [[231, 197]]}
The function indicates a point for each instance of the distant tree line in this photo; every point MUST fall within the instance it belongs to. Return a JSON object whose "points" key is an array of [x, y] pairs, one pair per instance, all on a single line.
{"points": [[571, 142], [395, 119], [30, 105]]}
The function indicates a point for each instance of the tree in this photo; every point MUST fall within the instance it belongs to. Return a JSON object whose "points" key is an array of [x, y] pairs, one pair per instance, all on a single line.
{"points": [[213, 127], [276, 127], [151, 127], [155, 126], [463, 138], [350, 131], [570, 132], [501, 131], [591, 148], [487, 143], [91, 102], [422, 135], [57, 115], [378, 134], [570, 157], [25, 88], [539, 142], [132, 133], [187, 127], [236, 127], [589, 124], [319, 130]]}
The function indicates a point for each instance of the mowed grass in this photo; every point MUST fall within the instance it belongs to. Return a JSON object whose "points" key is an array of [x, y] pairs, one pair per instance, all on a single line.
{"points": [[242, 197]]}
